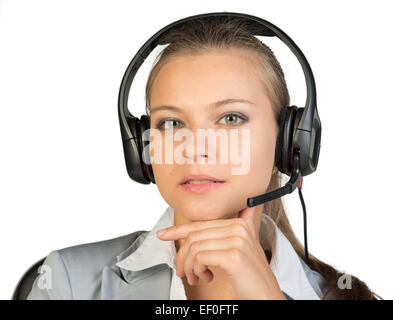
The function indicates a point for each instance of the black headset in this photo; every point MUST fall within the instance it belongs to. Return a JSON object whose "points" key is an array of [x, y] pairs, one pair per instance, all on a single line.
{"points": [[299, 137]]}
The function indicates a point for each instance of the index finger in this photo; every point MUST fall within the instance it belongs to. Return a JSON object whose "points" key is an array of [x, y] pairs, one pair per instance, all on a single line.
{"points": [[181, 231]]}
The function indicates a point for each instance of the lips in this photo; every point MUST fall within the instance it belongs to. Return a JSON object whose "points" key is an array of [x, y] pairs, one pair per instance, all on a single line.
{"points": [[202, 187], [199, 177]]}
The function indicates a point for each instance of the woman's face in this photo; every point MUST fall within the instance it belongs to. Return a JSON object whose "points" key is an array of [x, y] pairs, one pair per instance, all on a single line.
{"points": [[193, 84]]}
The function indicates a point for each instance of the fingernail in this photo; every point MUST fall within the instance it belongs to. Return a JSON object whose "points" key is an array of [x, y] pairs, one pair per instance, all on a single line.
{"points": [[161, 232]]}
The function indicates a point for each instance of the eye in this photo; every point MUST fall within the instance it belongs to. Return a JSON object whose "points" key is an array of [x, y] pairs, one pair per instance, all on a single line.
{"points": [[168, 124], [232, 117]]}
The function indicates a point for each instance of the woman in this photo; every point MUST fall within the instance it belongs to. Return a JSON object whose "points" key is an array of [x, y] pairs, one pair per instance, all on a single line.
{"points": [[220, 77]]}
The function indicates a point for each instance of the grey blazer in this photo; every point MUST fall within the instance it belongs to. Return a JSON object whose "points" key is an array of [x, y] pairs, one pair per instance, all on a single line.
{"points": [[89, 272]]}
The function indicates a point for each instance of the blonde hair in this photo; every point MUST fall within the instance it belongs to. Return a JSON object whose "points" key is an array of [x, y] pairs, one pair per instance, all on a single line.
{"points": [[204, 36]]}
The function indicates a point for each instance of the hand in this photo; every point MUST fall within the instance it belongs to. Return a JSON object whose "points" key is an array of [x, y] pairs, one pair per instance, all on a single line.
{"points": [[231, 245]]}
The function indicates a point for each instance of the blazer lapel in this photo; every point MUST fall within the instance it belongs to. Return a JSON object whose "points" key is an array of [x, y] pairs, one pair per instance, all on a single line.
{"points": [[121, 284], [150, 284]]}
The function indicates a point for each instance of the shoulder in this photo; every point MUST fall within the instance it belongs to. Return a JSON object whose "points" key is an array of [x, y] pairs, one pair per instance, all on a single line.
{"points": [[78, 268], [98, 253]]}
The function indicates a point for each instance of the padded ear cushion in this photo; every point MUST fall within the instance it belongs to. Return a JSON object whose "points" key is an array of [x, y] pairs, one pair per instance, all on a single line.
{"points": [[284, 161], [144, 143], [287, 139], [278, 152], [132, 152]]}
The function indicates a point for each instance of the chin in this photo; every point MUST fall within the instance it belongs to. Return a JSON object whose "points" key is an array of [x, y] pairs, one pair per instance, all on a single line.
{"points": [[208, 209]]}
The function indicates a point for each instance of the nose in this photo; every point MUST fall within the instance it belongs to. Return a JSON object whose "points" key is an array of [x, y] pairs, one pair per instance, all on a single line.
{"points": [[199, 146]]}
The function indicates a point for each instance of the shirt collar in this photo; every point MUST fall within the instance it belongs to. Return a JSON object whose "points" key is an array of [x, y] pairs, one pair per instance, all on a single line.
{"points": [[285, 263], [153, 251]]}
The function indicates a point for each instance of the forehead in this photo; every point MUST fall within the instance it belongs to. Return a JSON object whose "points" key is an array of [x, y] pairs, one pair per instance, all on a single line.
{"points": [[207, 77]]}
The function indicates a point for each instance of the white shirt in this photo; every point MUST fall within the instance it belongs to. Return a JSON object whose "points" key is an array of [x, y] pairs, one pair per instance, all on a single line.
{"points": [[294, 277]]}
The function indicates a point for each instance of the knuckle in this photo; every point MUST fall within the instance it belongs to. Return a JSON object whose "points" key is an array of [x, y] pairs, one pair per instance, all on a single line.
{"points": [[198, 257], [194, 247], [241, 229], [240, 221], [234, 256], [190, 237], [237, 222], [238, 242]]}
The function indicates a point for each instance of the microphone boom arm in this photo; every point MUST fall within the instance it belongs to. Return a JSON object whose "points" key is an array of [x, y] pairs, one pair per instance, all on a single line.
{"points": [[288, 188]]}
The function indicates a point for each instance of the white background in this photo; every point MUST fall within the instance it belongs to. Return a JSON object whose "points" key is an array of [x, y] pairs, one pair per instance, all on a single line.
{"points": [[63, 179]]}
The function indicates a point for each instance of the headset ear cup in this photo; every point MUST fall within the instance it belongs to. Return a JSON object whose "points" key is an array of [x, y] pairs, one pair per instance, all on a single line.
{"points": [[279, 142], [284, 160], [145, 125], [131, 150]]}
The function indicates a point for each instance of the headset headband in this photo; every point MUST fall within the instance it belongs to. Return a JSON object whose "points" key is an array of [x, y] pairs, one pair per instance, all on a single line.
{"points": [[256, 26]]}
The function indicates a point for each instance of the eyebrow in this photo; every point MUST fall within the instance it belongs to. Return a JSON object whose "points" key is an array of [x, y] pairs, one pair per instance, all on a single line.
{"points": [[214, 105]]}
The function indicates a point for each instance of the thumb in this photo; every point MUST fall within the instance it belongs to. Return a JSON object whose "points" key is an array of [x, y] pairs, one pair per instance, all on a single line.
{"points": [[248, 214]]}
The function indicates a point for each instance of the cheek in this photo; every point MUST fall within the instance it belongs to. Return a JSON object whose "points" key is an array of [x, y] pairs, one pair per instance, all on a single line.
{"points": [[262, 153], [261, 162], [163, 175]]}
